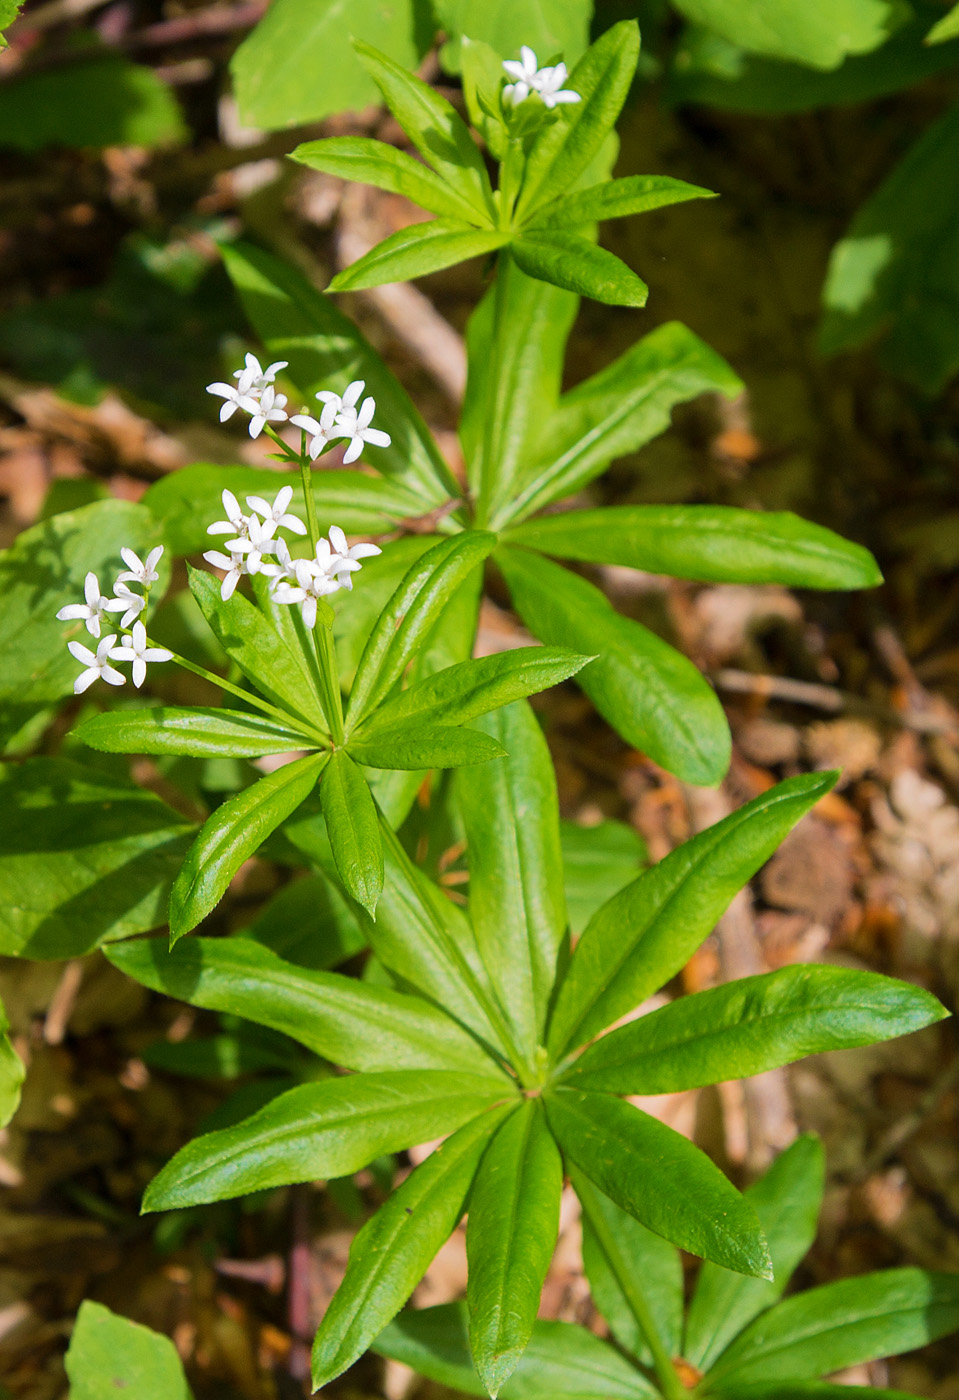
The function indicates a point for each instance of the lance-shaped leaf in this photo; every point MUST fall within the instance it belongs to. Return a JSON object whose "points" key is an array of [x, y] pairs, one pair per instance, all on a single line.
{"points": [[349, 1022], [840, 1324], [568, 260], [787, 1200], [108, 1353], [517, 904], [84, 857], [375, 163], [564, 148], [416, 251], [326, 351], [659, 1177], [435, 127], [615, 199], [354, 829], [562, 1359], [648, 691], [394, 1249], [414, 747], [276, 670], [411, 614], [644, 935], [635, 1277], [12, 1072], [232, 834], [382, 575], [513, 1224], [202, 733], [316, 1131], [752, 1025], [619, 409]]}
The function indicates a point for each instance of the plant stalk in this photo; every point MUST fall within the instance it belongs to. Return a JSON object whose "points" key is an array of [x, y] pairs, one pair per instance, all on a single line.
{"points": [[289, 721]]}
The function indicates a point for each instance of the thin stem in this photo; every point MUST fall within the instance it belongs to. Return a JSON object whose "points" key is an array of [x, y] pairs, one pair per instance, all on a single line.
{"points": [[288, 721], [306, 475]]}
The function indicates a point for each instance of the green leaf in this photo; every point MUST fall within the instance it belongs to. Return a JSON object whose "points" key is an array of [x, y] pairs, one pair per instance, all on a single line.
{"points": [[945, 28], [597, 862], [618, 410], [202, 733], [840, 1324], [42, 571], [562, 1359], [635, 1277], [274, 69], [616, 199], [416, 251], [435, 128], [316, 1131], [348, 1022], [819, 33], [510, 816], [375, 163], [326, 351], [571, 261], [644, 935], [413, 747], [354, 830], [893, 278], [565, 146], [185, 502], [753, 1025], [308, 922], [787, 1201], [547, 26], [382, 575], [649, 692], [12, 1072], [234, 833], [811, 1390], [108, 1353], [510, 1238], [658, 1177], [84, 857], [410, 616], [394, 1249], [716, 544], [102, 101], [246, 636]]}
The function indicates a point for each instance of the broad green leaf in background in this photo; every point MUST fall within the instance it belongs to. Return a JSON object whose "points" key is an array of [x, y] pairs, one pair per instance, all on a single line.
{"points": [[102, 101], [644, 935], [570, 261], [562, 1359], [354, 830], [382, 575], [275, 69], [893, 278], [648, 691], [635, 1277], [84, 858], [316, 1131], [548, 26], [348, 1022], [41, 572], [819, 33], [659, 1177], [416, 251], [810, 1390], [946, 28], [716, 544], [787, 1200], [308, 922], [109, 1354], [12, 1072], [232, 834], [394, 1249], [597, 862], [752, 1025], [615, 199], [510, 1238], [214, 733]]}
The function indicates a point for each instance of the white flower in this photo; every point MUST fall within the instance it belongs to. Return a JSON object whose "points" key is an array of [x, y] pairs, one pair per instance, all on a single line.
{"points": [[270, 409], [234, 400], [92, 610], [235, 567], [136, 649], [311, 584], [356, 424], [547, 82], [126, 601], [253, 379], [282, 570], [322, 431], [138, 572], [236, 522], [97, 665], [345, 560], [257, 541], [277, 512]]}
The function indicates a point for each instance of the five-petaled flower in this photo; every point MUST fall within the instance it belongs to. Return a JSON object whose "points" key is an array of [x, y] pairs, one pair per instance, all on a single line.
{"points": [[92, 610], [136, 648], [97, 664], [547, 83], [136, 570]]}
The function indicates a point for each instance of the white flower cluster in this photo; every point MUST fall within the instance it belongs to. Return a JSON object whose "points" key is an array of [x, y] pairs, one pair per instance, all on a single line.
{"points": [[305, 581], [528, 78], [93, 611]]}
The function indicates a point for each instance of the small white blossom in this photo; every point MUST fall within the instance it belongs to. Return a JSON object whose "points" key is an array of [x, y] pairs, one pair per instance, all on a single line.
{"points": [[234, 566], [126, 601], [135, 648], [253, 379], [345, 560], [271, 408], [322, 431], [277, 512], [311, 583], [546, 82], [97, 664], [236, 523], [92, 610], [233, 400], [138, 572], [257, 541], [355, 424]]}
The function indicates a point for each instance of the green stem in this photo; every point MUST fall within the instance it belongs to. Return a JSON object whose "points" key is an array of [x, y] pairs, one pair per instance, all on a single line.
{"points": [[288, 721], [332, 696]]}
